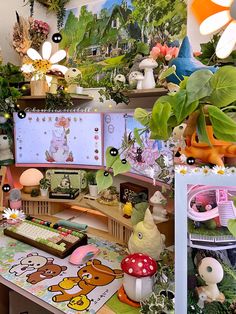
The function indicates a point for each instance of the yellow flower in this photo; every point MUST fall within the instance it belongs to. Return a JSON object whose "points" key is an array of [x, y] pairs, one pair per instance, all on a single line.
{"points": [[223, 19]]}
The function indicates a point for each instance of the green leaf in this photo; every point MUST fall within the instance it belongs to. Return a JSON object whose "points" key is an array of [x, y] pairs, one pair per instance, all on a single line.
{"points": [[142, 116], [109, 158], [232, 226], [103, 182], [224, 127], [167, 73], [137, 137], [223, 84], [119, 167], [181, 106], [201, 129], [183, 83], [159, 122], [198, 85]]}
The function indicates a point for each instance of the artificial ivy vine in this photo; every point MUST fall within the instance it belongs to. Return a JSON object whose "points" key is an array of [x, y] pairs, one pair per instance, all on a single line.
{"points": [[57, 6]]}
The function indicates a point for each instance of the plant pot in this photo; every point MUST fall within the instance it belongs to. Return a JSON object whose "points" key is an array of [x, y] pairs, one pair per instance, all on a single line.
{"points": [[39, 88], [93, 190], [44, 192], [15, 204]]}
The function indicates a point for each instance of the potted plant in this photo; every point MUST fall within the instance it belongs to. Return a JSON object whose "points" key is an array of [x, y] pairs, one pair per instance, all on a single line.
{"points": [[44, 185], [202, 98], [92, 183]]}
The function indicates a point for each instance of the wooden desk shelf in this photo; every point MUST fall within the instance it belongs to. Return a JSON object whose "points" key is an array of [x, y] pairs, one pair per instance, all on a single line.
{"points": [[119, 227]]}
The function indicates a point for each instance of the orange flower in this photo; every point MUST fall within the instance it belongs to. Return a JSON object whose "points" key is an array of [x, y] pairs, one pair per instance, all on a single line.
{"points": [[62, 122]]}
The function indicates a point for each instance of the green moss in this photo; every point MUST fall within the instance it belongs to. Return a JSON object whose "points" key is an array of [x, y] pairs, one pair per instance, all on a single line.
{"points": [[203, 230]]}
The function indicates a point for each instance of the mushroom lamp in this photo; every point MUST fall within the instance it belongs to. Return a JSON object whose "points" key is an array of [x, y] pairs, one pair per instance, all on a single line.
{"points": [[30, 179], [148, 65], [139, 271]]}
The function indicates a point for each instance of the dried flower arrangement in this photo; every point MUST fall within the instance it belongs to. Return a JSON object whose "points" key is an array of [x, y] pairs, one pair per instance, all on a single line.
{"points": [[28, 33]]}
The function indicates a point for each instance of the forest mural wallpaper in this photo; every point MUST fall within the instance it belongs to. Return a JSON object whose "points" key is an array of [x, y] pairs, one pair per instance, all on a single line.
{"points": [[102, 34]]}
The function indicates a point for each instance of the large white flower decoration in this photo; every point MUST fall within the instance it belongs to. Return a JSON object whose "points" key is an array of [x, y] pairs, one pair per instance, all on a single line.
{"points": [[39, 65], [13, 215], [225, 18]]}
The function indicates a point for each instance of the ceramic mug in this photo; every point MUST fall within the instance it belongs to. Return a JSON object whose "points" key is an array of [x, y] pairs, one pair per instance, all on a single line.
{"points": [[138, 289]]}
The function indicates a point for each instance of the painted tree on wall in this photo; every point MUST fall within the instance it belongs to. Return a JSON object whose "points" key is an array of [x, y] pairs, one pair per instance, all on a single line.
{"points": [[160, 20]]}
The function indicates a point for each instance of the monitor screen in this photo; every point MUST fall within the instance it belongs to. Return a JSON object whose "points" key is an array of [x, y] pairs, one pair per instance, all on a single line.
{"points": [[153, 159], [59, 138]]}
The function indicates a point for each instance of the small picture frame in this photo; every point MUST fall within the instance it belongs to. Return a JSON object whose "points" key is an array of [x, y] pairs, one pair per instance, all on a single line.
{"points": [[212, 189]]}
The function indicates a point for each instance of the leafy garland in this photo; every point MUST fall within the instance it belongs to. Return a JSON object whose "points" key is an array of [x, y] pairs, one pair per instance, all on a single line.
{"points": [[59, 101], [57, 6]]}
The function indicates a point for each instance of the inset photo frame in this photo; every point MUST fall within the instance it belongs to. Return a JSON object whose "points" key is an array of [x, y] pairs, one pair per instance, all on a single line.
{"points": [[203, 195]]}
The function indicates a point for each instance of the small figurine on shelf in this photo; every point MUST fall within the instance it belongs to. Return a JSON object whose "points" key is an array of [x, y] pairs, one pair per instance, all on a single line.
{"points": [[211, 271], [73, 78], [148, 65], [109, 196], [56, 76], [146, 238], [6, 156], [127, 209], [158, 201]]}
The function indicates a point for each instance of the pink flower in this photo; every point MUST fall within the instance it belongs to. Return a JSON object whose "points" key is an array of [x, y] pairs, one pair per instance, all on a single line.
{"points": [[63, 122], [164, 52]]}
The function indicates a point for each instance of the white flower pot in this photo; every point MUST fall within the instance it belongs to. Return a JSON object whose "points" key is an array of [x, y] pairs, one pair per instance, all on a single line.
{"points": [[44, 192], [93, 190]]}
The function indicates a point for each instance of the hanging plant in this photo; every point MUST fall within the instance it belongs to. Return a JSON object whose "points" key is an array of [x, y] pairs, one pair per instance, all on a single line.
{"points": [[57, 6]]}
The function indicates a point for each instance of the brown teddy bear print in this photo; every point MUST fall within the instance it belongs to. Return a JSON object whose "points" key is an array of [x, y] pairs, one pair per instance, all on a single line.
{"points": [[47, 271], [90, 276]]}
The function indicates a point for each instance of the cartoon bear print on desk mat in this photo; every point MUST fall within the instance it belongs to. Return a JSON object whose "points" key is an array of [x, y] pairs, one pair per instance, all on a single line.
{"points": [[37, 272], [94, 274]]}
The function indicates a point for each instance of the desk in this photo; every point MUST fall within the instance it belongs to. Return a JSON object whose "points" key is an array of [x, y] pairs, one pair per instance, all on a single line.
{"points": [[11, 250]]}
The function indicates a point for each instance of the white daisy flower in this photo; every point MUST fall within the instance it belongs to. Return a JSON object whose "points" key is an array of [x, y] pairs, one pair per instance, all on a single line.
{"points": [[205, 170], [223, 19], [42, 64], [219, 170], [181, 170], [196, 170], [13, 215], [231, 170]]}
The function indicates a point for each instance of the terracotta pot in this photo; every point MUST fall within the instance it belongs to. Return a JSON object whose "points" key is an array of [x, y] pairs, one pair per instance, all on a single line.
{"points": [[39, 88]]}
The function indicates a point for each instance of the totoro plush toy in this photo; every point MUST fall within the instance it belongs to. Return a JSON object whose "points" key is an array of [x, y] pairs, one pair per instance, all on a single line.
{"points": [[146, 238]]}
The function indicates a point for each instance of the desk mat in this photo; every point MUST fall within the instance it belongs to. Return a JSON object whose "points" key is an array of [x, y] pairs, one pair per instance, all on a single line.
{"points": [[59, 283]]}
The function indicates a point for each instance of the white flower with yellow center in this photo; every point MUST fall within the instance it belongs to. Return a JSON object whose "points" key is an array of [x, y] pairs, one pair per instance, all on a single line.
{"points": [[13, 215], [219, 170], [41, 64], [196, 170], [181, 170], [205, 170], [231, 170], [223, 19]]}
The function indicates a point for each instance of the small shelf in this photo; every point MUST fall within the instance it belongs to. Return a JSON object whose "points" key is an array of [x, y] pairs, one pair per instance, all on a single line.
{"points": [[155, 92], [39, 101]]}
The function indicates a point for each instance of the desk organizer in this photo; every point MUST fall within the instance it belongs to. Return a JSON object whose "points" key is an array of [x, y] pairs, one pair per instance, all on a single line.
{"points": [[54, 239]]}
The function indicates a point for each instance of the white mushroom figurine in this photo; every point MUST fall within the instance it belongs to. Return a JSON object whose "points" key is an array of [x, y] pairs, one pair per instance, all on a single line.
{"points": [[158, 201], [140, 79], [133, 78], [148, 65]]}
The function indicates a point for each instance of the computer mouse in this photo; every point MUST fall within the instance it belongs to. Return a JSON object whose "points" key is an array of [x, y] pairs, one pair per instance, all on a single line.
{"points": [[83, 254]]}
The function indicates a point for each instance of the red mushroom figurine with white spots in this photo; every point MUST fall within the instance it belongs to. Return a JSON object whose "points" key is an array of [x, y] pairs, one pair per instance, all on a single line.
{"points": [[139, 270]]}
